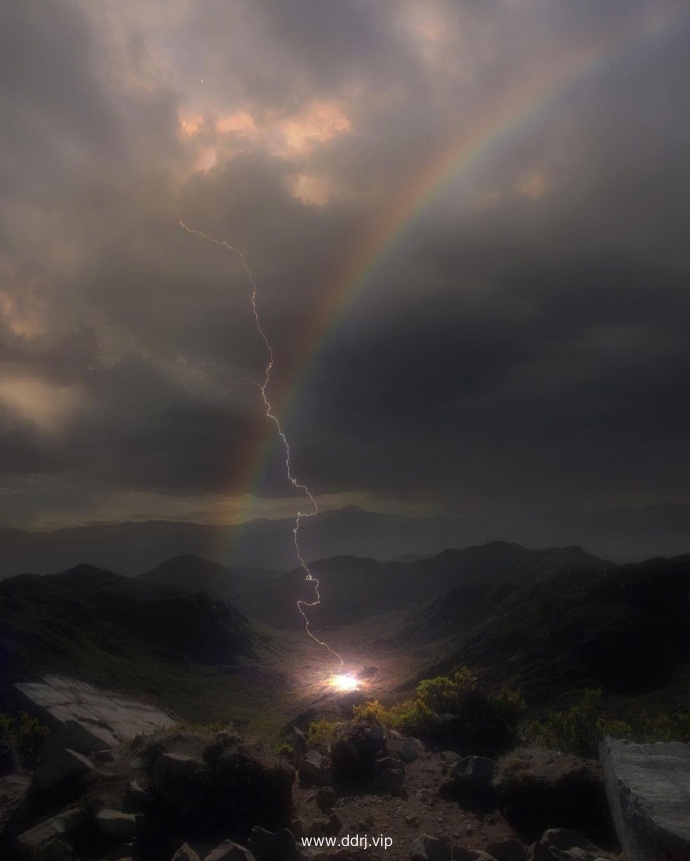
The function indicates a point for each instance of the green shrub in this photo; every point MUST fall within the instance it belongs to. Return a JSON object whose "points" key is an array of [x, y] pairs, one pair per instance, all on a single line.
{"points": [[580, 729], [413, 717], [285, 750], [24, 733], [320, 732], [459, 696], [371, 712], [663, 727]]}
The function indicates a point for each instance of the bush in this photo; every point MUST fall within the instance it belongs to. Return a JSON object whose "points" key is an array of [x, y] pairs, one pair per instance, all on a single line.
{"points": [[412, 717], [24, 733], [320, 732], [372, 712], [663, 727], [468, 711], [580, 729], [285, 750]]}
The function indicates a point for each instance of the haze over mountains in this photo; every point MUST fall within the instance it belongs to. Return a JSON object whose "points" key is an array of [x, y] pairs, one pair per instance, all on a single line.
{"points": [[356, 588], [548, 621], [622, 535]]}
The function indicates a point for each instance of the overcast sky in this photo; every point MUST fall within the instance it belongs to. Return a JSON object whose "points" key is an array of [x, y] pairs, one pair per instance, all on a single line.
{"points": [[519, 338]]}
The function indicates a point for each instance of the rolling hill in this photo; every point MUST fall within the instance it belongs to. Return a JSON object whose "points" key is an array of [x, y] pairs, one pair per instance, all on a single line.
{"points": [[626, 630], [353, 588]]}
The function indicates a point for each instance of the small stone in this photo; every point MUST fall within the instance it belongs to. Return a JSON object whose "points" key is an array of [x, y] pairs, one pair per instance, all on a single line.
{"points": [[507, 850], [185, 853], [449, 756], [103, 756], [335, 824], [60, 767], [562, 838], [56, 850], [325, 798], [117, 824], [428, 848], [477, 771], [42, 834], [407, 752], [229, 851], [272, 845], [390, 780], [540, 852], [312, 768]]}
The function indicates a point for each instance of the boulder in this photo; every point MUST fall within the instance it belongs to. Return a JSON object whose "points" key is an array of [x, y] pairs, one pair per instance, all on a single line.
{"points": [[407, 752], [136, 798], [325, 798], [476, 772], [313, 768], [79, 736], [540, 852], [299, 742], [272, 845], [104, 715], [185, 853], [648, 788], [507, 850], [116, 824], [229, 851], [56, 850], [428, 848], [450, 756], [390, 780], [62, 766], [42, 834], [536, 788], [355, 750], [175, 777], [246, 786], [563, 839]]}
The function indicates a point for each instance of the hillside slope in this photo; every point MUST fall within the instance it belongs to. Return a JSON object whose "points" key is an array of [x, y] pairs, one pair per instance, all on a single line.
{"points": [[353, 589], [626, 630], [105, 628]]}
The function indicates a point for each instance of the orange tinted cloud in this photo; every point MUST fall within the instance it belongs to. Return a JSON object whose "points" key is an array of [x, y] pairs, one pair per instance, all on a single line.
{"points": [[316, 124]]}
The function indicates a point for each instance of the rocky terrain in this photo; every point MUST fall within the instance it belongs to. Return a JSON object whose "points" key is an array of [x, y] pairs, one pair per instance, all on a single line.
{"points": [[365, 793]]}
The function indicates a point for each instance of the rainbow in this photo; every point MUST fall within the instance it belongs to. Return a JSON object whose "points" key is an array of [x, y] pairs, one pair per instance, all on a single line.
{"points": [[459, 152]]}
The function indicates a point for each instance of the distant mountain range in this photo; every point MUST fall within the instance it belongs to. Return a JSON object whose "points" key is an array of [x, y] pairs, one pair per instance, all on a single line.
{"points": [[353, 588], [549, 622], [132, 548]]}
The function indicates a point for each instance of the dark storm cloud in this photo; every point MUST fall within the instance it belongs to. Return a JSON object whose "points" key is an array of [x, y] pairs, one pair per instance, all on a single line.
{"points": [[524, 343]]}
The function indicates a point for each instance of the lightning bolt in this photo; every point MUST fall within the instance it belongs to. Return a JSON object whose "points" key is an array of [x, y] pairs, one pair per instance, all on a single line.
{"points": [[263, 387]]}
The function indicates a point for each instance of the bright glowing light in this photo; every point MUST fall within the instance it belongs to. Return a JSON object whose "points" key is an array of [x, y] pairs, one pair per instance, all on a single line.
{"points": [[345, 682]]}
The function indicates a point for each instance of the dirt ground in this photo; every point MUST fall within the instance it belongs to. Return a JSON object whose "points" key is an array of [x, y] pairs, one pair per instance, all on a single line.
{"points": [[403, 818]]}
